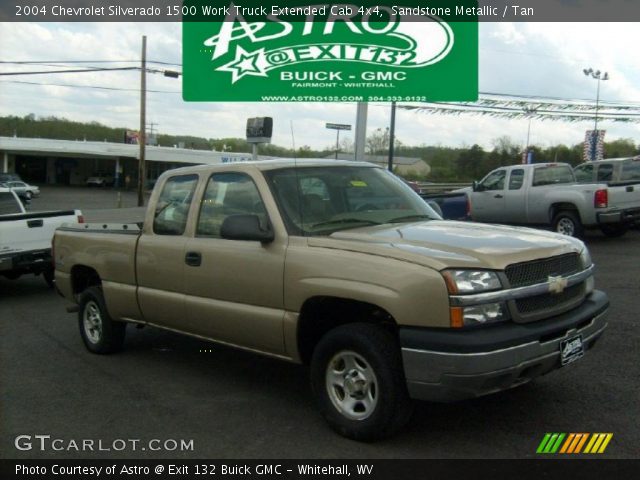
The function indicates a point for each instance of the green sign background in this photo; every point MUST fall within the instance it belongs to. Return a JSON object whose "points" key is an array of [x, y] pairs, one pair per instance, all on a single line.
{"points": [[251, 69]]}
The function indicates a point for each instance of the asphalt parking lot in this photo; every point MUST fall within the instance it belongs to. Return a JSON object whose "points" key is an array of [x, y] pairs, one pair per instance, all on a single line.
{"points": [[234, 404]]}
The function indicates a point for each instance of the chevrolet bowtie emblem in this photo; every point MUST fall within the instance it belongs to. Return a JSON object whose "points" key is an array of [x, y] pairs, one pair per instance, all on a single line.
{"points": [[557, 284]]}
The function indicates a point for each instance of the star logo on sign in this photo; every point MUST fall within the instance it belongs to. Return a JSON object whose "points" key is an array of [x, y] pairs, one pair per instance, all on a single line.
{"points": [[246, 63]]}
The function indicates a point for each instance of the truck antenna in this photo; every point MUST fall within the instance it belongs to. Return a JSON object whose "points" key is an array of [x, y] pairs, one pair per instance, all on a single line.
{"points": [[295, 169]]}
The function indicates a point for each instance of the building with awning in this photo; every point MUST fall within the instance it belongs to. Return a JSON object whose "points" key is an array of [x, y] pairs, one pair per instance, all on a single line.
{"points": [[71, 162]]}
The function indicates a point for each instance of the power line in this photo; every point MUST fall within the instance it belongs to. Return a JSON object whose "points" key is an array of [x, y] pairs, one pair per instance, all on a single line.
{"points": [[44, 72], [98, 87], [42, 62]]}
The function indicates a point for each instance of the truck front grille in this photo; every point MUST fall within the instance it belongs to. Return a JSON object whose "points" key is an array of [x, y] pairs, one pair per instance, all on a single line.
{"points": [[549, 301], [539, 271]]}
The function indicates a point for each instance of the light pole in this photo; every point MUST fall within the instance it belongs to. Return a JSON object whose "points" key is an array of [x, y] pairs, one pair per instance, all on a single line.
{"points": [[598, 75]]}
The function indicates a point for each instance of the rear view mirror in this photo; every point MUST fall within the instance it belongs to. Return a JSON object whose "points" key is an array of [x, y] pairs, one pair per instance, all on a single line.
{"points": [[475, 186], [245, 227]]}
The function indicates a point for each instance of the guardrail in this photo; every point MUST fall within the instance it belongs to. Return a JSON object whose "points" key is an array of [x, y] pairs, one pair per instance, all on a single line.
{"points": [[441, 187]]}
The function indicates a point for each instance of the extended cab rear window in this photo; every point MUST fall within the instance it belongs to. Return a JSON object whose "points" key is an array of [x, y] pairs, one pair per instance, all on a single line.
{"points": [[173, 205], [8, 204]]}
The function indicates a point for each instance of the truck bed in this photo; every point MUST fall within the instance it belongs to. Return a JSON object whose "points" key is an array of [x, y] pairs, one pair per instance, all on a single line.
{"points": [[109, 250]]}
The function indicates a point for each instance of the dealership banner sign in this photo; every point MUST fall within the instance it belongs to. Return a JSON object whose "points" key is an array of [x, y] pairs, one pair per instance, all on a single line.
{"points": [[306, 51]]}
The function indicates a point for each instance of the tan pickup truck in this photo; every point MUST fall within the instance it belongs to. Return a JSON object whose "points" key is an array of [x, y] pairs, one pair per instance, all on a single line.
{"points": [[341, 266]]}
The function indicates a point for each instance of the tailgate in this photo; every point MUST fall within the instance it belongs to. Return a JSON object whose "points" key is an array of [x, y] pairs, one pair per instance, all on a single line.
{"points": [[32, 231], [624, 197]]}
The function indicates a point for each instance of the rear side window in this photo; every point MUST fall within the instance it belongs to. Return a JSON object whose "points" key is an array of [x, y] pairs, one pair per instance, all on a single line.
{"points": [[8, 204], [516, 179], [172, 209], [605, 172], [630, 171], [552, 175]]}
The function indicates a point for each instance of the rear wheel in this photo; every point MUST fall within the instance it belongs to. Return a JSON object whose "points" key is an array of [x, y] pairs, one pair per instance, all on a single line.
{"points": [[568, 223], [358, 381], [615, 230], [99, 332]]}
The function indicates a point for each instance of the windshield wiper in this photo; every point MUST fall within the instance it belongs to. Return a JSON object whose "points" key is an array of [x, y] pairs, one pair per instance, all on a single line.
{"points": [[345, 220], [407, 218]]}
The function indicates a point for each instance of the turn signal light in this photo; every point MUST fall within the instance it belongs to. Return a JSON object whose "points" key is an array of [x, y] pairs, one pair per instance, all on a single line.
{"points": [[455, 314], [601, 199]]}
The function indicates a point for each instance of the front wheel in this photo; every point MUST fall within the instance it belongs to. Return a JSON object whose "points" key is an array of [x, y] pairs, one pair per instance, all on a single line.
{"points": [[615, 230], [99, 332], [568, 223], [358, 382]]}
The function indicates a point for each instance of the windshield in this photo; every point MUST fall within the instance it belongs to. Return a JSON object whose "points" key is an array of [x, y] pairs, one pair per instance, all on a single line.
{"points": [[323, 200]]}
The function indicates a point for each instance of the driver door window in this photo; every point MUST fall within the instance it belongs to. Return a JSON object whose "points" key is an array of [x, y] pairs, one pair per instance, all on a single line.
{"points": [[228, 194]]}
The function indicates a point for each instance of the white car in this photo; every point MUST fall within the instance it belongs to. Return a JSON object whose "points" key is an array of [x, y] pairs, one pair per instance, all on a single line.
{"points": [[100, 180], [22, 189]]}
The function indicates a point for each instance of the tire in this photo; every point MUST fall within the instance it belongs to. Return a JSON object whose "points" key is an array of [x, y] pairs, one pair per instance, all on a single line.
{"points": [[615, 230], [568, 223], [99, 332], [358, 382], [49, 277]]}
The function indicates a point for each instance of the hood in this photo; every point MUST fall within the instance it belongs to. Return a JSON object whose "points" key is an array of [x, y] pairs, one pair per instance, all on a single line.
{"points": [[447, 244]]}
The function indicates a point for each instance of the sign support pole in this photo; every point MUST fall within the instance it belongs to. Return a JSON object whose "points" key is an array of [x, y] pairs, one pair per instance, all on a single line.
{"points": [[361, 130]]}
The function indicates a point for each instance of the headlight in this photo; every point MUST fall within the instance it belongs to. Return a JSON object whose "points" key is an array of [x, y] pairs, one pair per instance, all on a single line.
{"points": [[471, 281], [585, 258]]}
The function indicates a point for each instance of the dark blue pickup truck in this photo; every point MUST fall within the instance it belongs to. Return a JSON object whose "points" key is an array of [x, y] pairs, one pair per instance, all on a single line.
{"points": [[452, 205]]}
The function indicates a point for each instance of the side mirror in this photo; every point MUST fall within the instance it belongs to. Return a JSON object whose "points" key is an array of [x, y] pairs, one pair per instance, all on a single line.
{"points": [[475, 186], [245, 227]]}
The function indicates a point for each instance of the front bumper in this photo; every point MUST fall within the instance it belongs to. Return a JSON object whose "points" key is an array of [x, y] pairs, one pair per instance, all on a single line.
{"points": [[454, 365]]}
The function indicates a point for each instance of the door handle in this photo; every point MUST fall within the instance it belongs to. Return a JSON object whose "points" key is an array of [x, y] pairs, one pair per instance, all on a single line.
{"points": [[35, 223], [498, 196], [193, 259]]}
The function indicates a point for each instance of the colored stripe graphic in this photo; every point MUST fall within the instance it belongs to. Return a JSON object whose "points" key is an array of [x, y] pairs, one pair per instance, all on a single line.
{"points": [[550, 443], [555, 443], [598, 443]]}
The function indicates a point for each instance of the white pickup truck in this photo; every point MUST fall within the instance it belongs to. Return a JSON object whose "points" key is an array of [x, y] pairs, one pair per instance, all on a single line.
{"points": [[547, 194], [25, 237]]}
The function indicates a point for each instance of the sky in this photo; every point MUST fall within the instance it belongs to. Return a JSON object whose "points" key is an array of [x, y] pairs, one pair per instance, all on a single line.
{"points": [[544, 59]]}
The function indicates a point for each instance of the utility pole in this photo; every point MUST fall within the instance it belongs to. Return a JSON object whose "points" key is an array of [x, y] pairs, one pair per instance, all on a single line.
{"points": [[142, 137]]}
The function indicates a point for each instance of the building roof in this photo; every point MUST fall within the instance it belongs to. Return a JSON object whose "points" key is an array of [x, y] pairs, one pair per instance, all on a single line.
{"points": [[74, 148]]}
